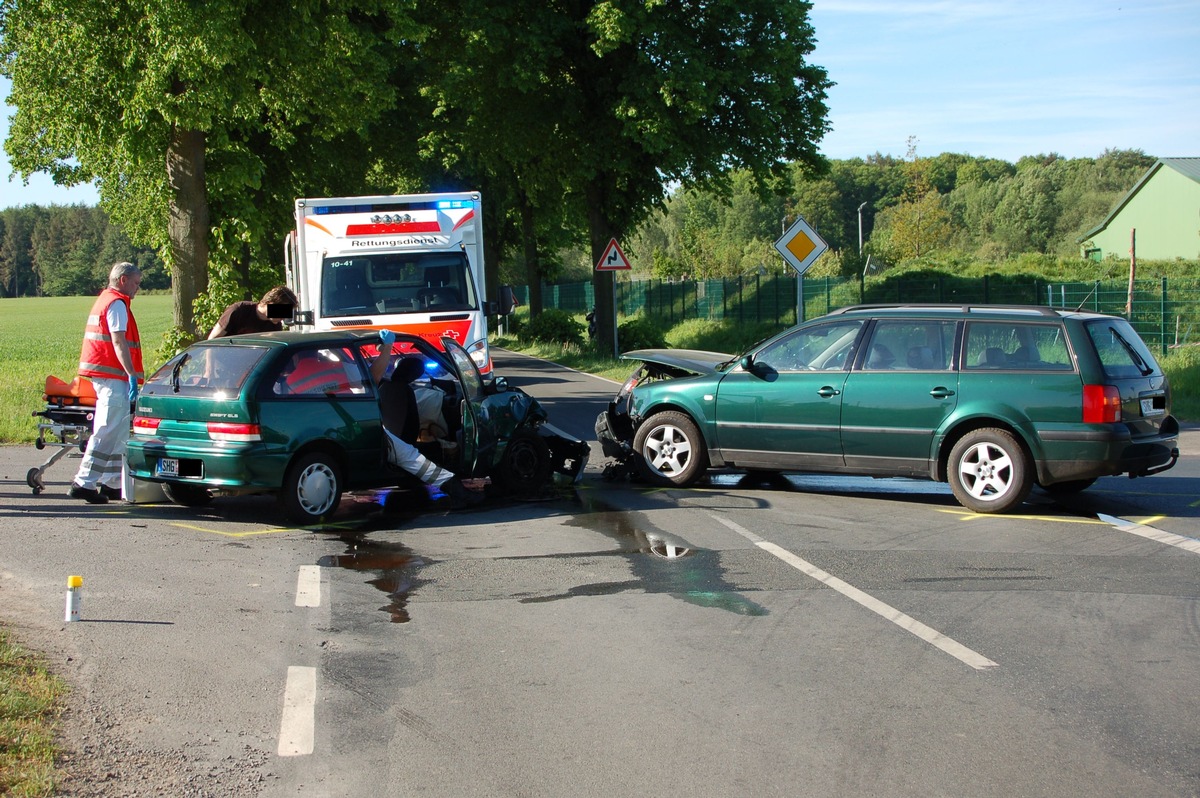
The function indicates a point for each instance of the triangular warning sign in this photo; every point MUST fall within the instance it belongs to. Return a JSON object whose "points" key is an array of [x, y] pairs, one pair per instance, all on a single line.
{"points": [[613, 259]]}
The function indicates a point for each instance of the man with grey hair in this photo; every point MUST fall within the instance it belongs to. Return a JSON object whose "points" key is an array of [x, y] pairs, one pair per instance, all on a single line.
{"points": [[112, 359]]}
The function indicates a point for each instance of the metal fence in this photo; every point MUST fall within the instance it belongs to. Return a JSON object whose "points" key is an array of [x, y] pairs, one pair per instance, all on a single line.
{"points": [[1166, 314]]}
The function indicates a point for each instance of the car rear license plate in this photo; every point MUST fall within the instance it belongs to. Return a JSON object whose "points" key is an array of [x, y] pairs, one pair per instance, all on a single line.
{"points": [[1148, 408], [167, 467]]}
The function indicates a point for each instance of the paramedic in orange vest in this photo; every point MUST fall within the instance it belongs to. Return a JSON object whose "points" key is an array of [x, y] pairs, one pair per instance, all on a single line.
{"points": [[112, 360]]}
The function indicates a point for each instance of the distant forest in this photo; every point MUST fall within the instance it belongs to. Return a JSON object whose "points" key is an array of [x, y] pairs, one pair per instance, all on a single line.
{"points": [[949, 212], [67, 250]]}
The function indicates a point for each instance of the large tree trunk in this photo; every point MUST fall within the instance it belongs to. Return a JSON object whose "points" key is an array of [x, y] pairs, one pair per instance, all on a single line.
{"points": [[188, 225], [533, 270]]}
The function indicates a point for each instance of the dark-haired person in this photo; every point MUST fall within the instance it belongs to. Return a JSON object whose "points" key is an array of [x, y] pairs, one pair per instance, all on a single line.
{"points": [[266, 315]]}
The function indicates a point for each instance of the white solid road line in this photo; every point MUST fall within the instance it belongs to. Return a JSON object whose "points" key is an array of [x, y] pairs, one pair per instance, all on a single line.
{"points": [[1149, 532], [909, 624], [296, 730], [308, 586]]}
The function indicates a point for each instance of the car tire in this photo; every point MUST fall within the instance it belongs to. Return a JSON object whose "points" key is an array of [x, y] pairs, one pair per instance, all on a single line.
{"points": [[1069, 487], [311, 489], [671, 451], [187, 495], [989, 471], [525, 466]]}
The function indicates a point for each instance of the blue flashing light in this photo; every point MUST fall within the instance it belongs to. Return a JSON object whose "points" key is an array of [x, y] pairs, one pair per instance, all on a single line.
{"points": [[453, 204], [432, 365]]}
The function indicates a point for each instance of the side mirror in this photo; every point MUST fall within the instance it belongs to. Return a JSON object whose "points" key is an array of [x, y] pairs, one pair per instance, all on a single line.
{"points": [[299, 319], [747, 363], [499, 385], [508, 300]]}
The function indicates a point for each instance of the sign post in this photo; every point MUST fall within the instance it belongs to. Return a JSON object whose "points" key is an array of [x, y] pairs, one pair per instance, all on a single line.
{"points": [[800, 246], [613, 260]]}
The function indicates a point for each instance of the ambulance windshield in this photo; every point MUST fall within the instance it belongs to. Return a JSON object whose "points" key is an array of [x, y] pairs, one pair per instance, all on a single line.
{"points": [[369, 285]]}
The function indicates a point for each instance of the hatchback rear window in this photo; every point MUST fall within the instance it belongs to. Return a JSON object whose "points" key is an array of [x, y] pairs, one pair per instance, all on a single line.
{"points": [[1121, 350], [206, 371]]}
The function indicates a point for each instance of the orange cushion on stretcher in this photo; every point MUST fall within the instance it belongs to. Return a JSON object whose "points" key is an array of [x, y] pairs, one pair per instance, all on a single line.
{"points": [[78, 392]]}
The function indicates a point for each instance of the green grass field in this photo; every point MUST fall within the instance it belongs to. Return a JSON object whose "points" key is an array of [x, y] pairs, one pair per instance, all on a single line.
{"points": [[42, 336]]}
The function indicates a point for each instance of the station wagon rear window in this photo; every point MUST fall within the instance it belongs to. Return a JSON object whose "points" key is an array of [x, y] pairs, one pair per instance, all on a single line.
{"points": [[1121, 350], [213, 371]]}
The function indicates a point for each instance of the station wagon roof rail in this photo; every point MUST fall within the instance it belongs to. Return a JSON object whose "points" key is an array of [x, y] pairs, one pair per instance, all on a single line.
{"points": [[1033, 310]]}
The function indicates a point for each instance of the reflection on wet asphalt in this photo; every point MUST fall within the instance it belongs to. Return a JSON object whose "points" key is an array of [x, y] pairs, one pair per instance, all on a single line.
{"points": [[395, 565], [656, 562]]}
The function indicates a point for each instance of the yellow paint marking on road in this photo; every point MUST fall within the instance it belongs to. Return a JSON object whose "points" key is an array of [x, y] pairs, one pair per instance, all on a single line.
{"points": [[966, 515], [245, 534], [1153, 519]]}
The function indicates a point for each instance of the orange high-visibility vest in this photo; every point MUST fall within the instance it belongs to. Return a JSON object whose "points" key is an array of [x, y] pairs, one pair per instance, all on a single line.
{"points": [[99, 357]]}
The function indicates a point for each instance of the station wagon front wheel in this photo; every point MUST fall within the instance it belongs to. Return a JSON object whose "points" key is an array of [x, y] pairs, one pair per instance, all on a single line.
{"points": [[672, 453], [311, 489], [989, 471]]}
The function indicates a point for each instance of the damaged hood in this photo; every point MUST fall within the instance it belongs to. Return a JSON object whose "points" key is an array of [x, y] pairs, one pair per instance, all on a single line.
{"points": [[695, 361]]}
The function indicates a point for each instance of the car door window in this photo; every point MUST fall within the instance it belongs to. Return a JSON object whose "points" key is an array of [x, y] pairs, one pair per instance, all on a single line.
{"points": [[827, 347], [328, 372], [910, 345], [1014, 346]]}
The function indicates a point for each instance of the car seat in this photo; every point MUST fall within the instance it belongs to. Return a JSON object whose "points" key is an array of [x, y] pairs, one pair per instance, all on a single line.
{"points": [[352, 289], [993, 358], [880, 357], [408, 418], [921, 358]]}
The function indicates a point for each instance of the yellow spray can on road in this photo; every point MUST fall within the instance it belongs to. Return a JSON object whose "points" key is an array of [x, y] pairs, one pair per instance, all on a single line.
{"points": [[74, 591]]}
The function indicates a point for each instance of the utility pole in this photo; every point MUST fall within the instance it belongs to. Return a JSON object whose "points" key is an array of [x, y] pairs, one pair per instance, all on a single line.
{"points": [[860, 241]]}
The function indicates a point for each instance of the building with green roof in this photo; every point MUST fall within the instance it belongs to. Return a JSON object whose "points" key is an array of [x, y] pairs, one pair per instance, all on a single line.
{"points": [[1160, 215]]}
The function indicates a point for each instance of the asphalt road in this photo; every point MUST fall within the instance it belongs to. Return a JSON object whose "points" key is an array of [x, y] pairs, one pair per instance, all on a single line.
{"points": [[803, 636]]}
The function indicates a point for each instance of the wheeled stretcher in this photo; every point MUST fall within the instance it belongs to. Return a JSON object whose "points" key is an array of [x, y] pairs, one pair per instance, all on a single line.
{"points": [[65, 424]]}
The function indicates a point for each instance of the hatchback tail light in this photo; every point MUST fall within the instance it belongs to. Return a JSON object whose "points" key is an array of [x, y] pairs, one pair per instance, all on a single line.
{"points": [[144, 425], [239, 433], [1101, 404]]}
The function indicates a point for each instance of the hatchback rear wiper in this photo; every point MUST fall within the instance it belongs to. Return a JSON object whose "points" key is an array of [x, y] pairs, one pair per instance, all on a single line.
{"points": [[1141, 364], [175, 371]]}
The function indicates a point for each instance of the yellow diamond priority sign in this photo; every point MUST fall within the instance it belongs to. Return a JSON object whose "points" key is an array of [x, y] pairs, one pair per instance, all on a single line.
{"points": [[800, 245]]}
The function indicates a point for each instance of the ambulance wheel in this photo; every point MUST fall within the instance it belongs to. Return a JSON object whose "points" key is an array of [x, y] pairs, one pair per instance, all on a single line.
{"points": [[34, 480], [187, 495]]}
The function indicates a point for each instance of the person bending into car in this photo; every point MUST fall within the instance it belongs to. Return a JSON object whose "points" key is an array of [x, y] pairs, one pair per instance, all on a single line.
{"points": [[266, 315], [397, 411]]}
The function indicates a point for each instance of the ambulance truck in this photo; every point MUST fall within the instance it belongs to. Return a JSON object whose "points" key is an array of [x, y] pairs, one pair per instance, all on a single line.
{"points": [[411, 263]]}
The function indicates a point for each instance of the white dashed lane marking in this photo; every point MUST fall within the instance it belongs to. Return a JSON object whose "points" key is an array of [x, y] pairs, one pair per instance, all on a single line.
{"points": [[308, 586], [296, 731]]}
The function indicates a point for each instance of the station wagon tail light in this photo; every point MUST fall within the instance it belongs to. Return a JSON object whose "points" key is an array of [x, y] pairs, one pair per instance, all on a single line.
{"points": [[1101, 404], [144, 425], [238, 433]]}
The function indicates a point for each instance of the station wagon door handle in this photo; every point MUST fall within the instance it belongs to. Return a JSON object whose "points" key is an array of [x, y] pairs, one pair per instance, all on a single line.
{"points": [[941, 393], [827, 392]]}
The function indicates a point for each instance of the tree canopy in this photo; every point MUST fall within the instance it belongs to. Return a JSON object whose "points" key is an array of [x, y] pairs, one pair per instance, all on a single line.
{"points": [[201, 122]]}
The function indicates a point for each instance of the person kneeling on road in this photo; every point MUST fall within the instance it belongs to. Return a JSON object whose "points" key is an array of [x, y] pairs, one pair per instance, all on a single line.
{"points": [[395, 410]]}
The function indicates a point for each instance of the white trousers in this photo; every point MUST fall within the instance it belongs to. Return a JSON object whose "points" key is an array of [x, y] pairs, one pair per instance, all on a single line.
{"points": [[110, 430], [406, 456]]}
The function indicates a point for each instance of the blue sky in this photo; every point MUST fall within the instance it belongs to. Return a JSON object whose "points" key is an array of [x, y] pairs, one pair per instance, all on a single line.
{"points": [[994, 78]]}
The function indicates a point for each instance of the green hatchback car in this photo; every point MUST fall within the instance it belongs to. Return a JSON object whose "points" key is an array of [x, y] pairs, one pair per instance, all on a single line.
{"points": [[990, 399], [297, 415]]}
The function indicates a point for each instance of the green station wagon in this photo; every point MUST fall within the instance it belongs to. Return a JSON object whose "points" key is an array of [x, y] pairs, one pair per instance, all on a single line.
{"points": [[297, 415], [990, 399]]}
